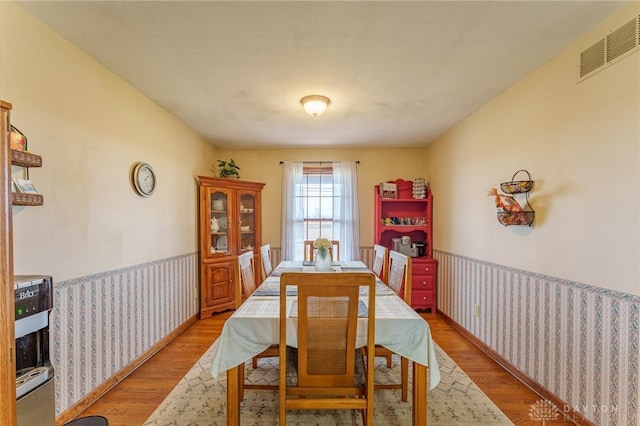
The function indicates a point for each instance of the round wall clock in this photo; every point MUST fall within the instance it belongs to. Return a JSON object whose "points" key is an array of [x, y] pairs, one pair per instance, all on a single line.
{"points": [[144, 179]]}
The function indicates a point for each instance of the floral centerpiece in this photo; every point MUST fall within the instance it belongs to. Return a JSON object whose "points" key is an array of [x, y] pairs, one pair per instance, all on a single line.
{"points": [[322, 259]]}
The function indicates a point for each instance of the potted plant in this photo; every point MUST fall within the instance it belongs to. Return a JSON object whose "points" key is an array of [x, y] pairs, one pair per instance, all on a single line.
{"points": [[228, 169]]}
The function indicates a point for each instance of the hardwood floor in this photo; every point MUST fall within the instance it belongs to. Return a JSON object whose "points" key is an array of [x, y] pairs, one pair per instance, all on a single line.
{"points": [[133, 400]]}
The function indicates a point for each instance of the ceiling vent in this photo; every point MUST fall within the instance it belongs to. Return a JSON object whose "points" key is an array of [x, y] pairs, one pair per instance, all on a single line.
{"points": [[607, 50]]}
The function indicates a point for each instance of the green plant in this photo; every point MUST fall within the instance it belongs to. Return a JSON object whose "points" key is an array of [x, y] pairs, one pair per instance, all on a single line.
{"points": [[228, 169]]}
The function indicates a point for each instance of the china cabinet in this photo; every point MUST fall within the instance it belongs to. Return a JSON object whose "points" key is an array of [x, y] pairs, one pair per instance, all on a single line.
{"points": [[411, 218], [230, 224]]}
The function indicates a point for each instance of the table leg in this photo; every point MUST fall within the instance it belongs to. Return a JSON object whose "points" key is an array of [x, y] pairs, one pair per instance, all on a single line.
{"points": [[233, 398], [419, 402]]}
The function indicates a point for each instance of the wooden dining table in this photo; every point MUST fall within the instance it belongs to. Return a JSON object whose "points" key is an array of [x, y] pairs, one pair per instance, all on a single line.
{"points": [[254, 326]]}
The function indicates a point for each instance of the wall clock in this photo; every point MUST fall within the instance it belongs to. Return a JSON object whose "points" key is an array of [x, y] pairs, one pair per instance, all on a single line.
{"points": [[144, 179]]}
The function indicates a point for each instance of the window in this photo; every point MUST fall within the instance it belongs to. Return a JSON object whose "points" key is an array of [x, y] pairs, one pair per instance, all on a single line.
{"points": [[319, 202]]}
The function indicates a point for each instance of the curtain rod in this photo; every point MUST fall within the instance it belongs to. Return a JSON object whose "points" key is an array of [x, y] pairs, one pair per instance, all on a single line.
{"points": [[317, 162]]}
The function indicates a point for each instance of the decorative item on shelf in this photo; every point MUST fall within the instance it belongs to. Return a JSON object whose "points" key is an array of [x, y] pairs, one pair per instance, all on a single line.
{"points": [[322, 259], [17, 139], [388, 190], [24, 193], [217, 204], [419, 188], [510, 211], [214, 224], [228, 169]]}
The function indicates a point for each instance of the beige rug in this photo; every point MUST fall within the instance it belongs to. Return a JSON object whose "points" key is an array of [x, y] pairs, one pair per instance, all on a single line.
{"points": [[199, 400]]}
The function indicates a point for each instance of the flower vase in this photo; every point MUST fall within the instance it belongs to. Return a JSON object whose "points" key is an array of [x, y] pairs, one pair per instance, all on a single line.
{"points": [[322, 262]]}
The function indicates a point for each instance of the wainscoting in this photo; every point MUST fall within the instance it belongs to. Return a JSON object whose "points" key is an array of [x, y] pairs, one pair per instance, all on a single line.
{"points": [[579, 342], [103, 322]]}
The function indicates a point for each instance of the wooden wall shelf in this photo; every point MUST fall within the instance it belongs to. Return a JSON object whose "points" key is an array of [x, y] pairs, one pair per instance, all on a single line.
{"points": [[25, 159]]}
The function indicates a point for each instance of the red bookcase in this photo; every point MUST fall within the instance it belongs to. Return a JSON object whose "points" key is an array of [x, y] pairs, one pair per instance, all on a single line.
{"points": [[413, 218]]}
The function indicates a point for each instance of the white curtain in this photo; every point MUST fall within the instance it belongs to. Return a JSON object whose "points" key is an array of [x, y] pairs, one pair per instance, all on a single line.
{"points": [[346, 224], [292, 212], [345, 209]]}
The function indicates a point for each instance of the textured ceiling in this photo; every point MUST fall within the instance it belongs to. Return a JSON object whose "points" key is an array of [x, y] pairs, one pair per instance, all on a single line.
{"points": [[397, 73]]}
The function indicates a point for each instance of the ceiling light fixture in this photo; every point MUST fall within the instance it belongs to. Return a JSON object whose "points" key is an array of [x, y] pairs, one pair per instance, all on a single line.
{"points": [[315, 104]]}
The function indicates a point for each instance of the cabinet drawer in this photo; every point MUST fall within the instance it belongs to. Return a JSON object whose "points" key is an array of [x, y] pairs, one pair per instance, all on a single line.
{"points": [[423, 282], [423, 268], [423, 299]]}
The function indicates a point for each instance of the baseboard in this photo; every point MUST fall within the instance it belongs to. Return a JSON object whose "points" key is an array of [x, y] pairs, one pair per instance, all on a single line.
{"points": [[77, 408], [568, 412]]}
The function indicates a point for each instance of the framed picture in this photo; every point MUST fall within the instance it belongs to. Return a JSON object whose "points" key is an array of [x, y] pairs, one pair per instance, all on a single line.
{"points": [[17, 140], [24, 186]]}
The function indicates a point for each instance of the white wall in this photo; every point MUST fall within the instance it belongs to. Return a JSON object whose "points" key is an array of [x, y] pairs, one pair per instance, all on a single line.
{"points": [[580, 142], [90, 127]]}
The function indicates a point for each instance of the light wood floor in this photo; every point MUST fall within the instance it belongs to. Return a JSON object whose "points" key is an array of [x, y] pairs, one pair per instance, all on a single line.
{"points": [[133, 400]]}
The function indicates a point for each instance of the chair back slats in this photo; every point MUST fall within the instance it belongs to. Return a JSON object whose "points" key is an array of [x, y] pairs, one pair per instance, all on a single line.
{"points": [[380, 261], [399, 275], [247, 273], [265, 255]]}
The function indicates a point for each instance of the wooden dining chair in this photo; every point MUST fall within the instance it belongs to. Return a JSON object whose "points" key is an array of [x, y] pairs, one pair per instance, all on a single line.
{"points": [[326, 370], [265, 255], [310, 251], [248, 285], [380, 261], [247, 274], [399, 279]]}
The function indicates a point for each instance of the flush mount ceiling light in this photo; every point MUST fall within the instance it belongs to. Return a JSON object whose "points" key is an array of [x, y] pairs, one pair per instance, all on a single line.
{"points": [[315, 104]]}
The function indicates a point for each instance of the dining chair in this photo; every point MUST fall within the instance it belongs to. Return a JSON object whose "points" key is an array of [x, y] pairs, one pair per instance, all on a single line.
{"points": [[326, 370], [247, 273], [248, 284], [399, 280], [265, 255], [380, 261], [310, 251]]}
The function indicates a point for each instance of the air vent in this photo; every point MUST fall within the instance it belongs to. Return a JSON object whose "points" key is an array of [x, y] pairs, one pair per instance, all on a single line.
{"points": [[592, 58], [614, 46], [621, 40]]}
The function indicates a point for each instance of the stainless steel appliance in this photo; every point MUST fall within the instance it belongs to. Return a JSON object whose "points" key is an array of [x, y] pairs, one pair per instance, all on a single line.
{"points": [[34, 374], [405, 246]]}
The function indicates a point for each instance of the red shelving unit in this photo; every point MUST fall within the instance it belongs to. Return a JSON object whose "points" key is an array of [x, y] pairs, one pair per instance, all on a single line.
{"points": [[415, 219]]}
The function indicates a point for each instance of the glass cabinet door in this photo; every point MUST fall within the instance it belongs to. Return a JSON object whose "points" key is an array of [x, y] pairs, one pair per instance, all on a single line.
{"points": [[247, 221], [219, 222]]}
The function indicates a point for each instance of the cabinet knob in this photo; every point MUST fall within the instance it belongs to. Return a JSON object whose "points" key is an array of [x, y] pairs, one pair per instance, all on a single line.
{"points": [[426, 269], [424, 283], [424, 298]]}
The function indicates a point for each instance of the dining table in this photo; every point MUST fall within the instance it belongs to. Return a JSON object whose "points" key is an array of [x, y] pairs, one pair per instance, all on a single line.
{"points": [[254, 326]]}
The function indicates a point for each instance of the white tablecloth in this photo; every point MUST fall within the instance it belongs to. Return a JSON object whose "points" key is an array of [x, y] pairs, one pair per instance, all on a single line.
{"points": [[254, 326]]}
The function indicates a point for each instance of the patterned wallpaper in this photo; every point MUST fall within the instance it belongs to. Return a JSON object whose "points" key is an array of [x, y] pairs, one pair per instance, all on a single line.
{"points": [[579, 342], [103, 322]]}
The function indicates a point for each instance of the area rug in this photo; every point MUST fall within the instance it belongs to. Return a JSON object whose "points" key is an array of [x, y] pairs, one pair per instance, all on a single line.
{"points": [[200, 400]]}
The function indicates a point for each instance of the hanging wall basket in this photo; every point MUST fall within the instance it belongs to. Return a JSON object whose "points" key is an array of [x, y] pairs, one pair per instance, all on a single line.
{"points": [[514, 188], [517, 186]]}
